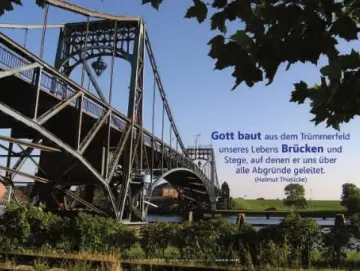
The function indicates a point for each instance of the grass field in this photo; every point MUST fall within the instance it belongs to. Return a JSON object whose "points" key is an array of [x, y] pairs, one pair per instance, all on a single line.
{"points": [[262, 205]]}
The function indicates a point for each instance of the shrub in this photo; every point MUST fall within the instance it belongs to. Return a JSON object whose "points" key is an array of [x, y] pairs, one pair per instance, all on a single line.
{"points": [[95, 233]]}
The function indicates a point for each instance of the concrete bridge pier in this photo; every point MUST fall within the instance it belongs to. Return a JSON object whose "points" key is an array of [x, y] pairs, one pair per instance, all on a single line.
{"points": [[240, 220], [190, 216], [339, 220]]}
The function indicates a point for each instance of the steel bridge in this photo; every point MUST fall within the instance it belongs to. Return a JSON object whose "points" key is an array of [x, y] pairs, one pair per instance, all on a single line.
{"points": [[86, 146]]}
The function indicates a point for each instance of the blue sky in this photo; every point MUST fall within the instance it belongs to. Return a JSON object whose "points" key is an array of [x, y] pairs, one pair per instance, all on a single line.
{"points": [[200, 98]]}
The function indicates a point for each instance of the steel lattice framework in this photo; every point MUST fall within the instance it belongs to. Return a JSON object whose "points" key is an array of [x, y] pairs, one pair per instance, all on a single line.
{"points": [[85, 144]]}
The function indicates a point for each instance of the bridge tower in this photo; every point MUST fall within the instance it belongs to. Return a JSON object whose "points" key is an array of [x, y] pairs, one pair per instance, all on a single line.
{"points": [[225, 200], [84, 41]]}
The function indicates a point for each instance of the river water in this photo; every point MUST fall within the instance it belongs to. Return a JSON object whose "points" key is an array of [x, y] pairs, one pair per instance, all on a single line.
{"points": [[232, 219]]}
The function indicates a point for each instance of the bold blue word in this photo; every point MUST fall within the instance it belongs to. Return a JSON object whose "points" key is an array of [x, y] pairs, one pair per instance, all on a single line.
{"points": [[235, 136], [303, 149]]}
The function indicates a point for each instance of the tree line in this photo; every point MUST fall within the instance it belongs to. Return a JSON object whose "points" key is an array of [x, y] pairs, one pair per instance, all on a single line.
{"points": [[350, 197]]}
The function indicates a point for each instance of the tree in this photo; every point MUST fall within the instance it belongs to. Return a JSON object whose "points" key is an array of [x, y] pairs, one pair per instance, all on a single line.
{"points": [[353, 203], [8, 5], [295, 196], [347, 190], [284, 31], [355, 225], [350, 198], [302, 236]]}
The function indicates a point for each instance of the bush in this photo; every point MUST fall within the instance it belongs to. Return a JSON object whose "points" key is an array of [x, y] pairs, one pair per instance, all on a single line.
{"points": [[156, 237], [135, 252], [95, 233], [32, 227]]}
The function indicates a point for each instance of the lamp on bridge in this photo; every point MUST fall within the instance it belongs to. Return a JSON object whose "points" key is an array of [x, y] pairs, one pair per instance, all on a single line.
{"points": [[99, 66]]}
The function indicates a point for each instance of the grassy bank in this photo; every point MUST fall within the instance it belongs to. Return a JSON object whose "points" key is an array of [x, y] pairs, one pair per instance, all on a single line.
{"points": [[262, 205], [45, 259], [253, 207]]}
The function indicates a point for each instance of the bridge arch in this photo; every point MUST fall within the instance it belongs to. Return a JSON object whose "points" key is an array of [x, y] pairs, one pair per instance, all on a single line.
{"points": [[96, 38], [188, 182]]}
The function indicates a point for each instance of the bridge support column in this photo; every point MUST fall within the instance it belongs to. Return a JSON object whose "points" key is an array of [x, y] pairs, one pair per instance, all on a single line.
{"points": [[240, 220], [339, 220], [190, 216]]}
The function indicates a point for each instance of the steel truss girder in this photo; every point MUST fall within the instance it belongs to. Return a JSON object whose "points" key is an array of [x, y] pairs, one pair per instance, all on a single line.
{"points": [[10, 174], [19, 69], [29, 26], [20, 162], [57, 108], [66, 191], [76, 9], [93, 131], [93, 81], [17, 155], [29, 144], [24, 174], [207, 154], [117, 154], [26, 153], [79, 199], [41, 130]]}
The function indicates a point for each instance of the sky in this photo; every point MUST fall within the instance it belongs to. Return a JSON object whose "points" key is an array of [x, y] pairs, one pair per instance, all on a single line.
{"points": [[200, 97]]}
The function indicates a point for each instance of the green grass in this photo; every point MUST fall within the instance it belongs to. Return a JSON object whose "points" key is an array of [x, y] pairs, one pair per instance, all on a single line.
{"points": [[262, 205]]}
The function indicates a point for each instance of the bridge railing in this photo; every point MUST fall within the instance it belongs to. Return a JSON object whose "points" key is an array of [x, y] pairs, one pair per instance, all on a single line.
{"points": [[202, 146], [13, 55]]}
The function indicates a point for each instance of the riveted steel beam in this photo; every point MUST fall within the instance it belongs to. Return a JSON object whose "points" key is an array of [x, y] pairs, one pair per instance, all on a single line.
{"points": [[41, 130], [119, 149], [93, 131], [30, 144], [30, 26], [21, 161], [81, 200], [76, 9], [66, 191], [24, 174], [56, 109], [19, 69]]}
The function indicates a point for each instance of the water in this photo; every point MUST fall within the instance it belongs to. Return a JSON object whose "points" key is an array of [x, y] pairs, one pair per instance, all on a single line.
{"points": [[232, 219]]}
